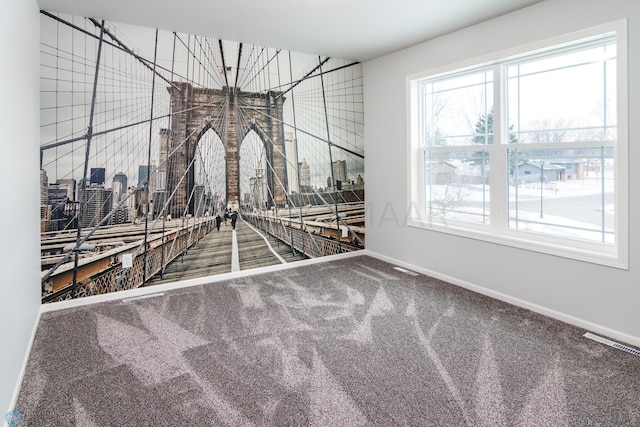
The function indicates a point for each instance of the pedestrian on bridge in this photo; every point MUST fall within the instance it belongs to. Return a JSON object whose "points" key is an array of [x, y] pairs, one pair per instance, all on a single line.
{"points": [[234, 218], [218, 221]]}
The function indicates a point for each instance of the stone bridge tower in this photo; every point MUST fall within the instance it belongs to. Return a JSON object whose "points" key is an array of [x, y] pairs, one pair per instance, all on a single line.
{"points": [[232, 114]]}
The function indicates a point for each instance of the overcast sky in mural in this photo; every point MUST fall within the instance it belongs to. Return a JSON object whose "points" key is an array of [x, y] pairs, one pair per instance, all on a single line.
{"points": [[67, 72]]}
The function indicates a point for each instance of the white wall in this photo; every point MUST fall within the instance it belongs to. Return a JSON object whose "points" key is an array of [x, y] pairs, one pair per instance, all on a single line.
{"points": [[585, 294], [19, 175]]}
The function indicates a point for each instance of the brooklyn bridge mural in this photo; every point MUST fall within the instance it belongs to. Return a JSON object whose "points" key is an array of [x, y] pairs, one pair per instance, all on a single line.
{"points": [[167, 157]]}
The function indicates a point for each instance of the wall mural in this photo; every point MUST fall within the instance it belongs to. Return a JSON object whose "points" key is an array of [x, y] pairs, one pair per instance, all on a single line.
{"points": [[167, 156]]}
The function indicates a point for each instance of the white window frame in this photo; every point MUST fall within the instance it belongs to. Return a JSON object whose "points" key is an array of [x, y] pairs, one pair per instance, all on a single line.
{"points": [[613, 255]]}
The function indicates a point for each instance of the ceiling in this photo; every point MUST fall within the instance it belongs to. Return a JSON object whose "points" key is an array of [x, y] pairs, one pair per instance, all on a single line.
{"points": [[358, 30]]}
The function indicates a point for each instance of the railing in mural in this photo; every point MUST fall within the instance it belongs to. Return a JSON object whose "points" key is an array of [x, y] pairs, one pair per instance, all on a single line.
{"points": [[104, 272], [312, 238]]}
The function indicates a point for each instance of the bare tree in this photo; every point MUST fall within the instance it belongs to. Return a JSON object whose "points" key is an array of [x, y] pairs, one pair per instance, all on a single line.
{"points": [[448, 196]]}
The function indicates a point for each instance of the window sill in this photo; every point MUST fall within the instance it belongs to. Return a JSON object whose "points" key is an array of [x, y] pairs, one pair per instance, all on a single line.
{"points": [[601, 254]]}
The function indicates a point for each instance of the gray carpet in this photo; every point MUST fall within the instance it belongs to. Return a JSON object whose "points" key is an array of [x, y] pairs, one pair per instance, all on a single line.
{"points": [[344, 343]]}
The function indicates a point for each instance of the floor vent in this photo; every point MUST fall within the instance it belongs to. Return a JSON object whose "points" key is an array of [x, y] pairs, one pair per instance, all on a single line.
{"points": [[405, 271], [612, 343], [157, 294]]}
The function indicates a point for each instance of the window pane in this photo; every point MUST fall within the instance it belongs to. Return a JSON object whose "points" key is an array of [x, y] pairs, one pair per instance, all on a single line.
{"points": [[556, 161], [568, 97], [563, 192], [456, 111], [457, 185]]}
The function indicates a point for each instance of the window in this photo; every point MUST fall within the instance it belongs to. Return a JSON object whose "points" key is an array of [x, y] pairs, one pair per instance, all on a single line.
{"points": [[527, 148]]}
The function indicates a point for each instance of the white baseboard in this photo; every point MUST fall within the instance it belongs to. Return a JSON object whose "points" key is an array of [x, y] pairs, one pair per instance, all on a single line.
{"points": [[567, 318]]}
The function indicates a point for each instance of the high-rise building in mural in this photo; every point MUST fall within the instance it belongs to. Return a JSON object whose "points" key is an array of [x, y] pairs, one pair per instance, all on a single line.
{"points": [[97, 176], [340, 171], [161, 174], [119, 186], [57, 195], [291, 147], [96, 203], [64, 216], [44, 188], [148, 171], [143, 170], [305, 176], [120, 215], [69, 185]]}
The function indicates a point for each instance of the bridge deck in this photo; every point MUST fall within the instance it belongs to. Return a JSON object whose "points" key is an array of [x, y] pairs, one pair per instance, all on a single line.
{"points": [[214, 254]]}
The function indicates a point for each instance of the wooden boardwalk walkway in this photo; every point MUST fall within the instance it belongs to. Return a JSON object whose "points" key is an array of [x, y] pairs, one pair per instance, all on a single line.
{"points": [[227, 250]]}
